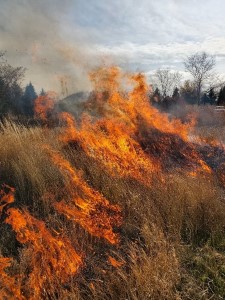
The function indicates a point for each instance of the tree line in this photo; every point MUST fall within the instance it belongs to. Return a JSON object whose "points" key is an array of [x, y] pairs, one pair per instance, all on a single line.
{"points": [[168, 88], [14, 99], [203, 88]]}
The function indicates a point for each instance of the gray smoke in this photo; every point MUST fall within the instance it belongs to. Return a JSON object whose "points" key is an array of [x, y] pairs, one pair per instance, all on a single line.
{"points": [[34, 35]]}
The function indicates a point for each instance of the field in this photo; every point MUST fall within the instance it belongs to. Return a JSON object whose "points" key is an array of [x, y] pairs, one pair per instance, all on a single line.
{"points": [[123, 203]]}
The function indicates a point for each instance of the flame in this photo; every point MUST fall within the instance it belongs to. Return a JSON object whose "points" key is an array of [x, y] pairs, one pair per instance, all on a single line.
{"points": [[134, 107], [9, 286], [111, 144], [115, 263], [129, 136], [87, 207], [52, 259], [125, 135], [116, 138], [44, 105], [6, 197]]}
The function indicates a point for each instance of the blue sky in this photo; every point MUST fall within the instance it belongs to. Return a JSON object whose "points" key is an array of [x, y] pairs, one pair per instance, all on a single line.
{"points": [[65, 39]]}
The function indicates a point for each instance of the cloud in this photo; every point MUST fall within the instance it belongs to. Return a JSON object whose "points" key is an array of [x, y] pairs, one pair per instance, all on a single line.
{"points": [[154, 55], [34, 37], [58, 39]]}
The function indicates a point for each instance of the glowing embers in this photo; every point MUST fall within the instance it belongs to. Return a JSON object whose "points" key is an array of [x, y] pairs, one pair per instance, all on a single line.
{"points": [[87, 206], [114, 262]]}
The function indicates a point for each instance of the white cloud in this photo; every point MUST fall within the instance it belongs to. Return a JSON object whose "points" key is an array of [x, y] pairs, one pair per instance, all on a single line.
{"points": [[54, 38]]}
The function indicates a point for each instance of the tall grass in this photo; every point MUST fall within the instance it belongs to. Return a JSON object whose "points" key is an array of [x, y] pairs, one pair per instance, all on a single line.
{"points": [[172, 237]]}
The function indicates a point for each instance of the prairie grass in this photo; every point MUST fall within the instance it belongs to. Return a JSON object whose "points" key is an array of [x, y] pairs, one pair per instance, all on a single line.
{"points": [[172, 237]]}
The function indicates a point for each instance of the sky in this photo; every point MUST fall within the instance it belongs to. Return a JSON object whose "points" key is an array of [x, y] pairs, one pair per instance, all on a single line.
{"points": [[60, 41]]}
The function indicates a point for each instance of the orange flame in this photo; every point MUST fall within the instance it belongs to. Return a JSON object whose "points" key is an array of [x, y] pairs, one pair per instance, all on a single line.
{"points": [[52, 259], [44, 105], [91, 210], [115, 139], [115, 263], [110, 142], [6, 197], [10, 287], [134, 107]]}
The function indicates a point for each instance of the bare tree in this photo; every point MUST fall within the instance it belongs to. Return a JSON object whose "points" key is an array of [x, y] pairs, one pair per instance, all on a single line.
{"points": [[167, 81], [200, 66]]}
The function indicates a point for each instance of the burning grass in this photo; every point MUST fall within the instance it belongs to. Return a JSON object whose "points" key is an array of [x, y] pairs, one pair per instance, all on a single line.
{"points": [[124, 204]]}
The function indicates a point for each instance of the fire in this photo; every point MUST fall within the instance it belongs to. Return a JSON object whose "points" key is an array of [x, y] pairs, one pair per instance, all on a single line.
{"points": [[87, 207], [52, 259], [133, 108], [9, 286], [127, 137], [115, 263], [44, 105], [6, 197], [111, 144]]}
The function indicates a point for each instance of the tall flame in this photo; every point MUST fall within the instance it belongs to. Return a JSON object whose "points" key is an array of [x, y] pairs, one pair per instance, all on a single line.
{"points": [[129, 136]]}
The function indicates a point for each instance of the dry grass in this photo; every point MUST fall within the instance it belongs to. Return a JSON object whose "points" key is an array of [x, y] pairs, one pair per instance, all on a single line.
{"points": [[172, 237]]}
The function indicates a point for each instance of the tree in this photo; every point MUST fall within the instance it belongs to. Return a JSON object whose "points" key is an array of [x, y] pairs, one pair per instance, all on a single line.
{"points": [[205, 99], [43, 93], [176, 94], [187, 91], [212, 96], [166, 81], [27, 100], [221, 97], [200, 66]]}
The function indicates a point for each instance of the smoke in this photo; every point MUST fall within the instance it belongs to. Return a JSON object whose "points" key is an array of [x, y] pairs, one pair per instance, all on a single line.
{"points": [[60, 41], [205, 116], [41, 36]]}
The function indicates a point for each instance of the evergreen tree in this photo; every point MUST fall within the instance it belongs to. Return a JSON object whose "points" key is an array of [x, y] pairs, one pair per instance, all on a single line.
{"points": [[188, 92], [3, 97], [42, 93], [212, 96], [176, 95], [166, 103], [221, 97], [205, 99], [27, 100]]}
